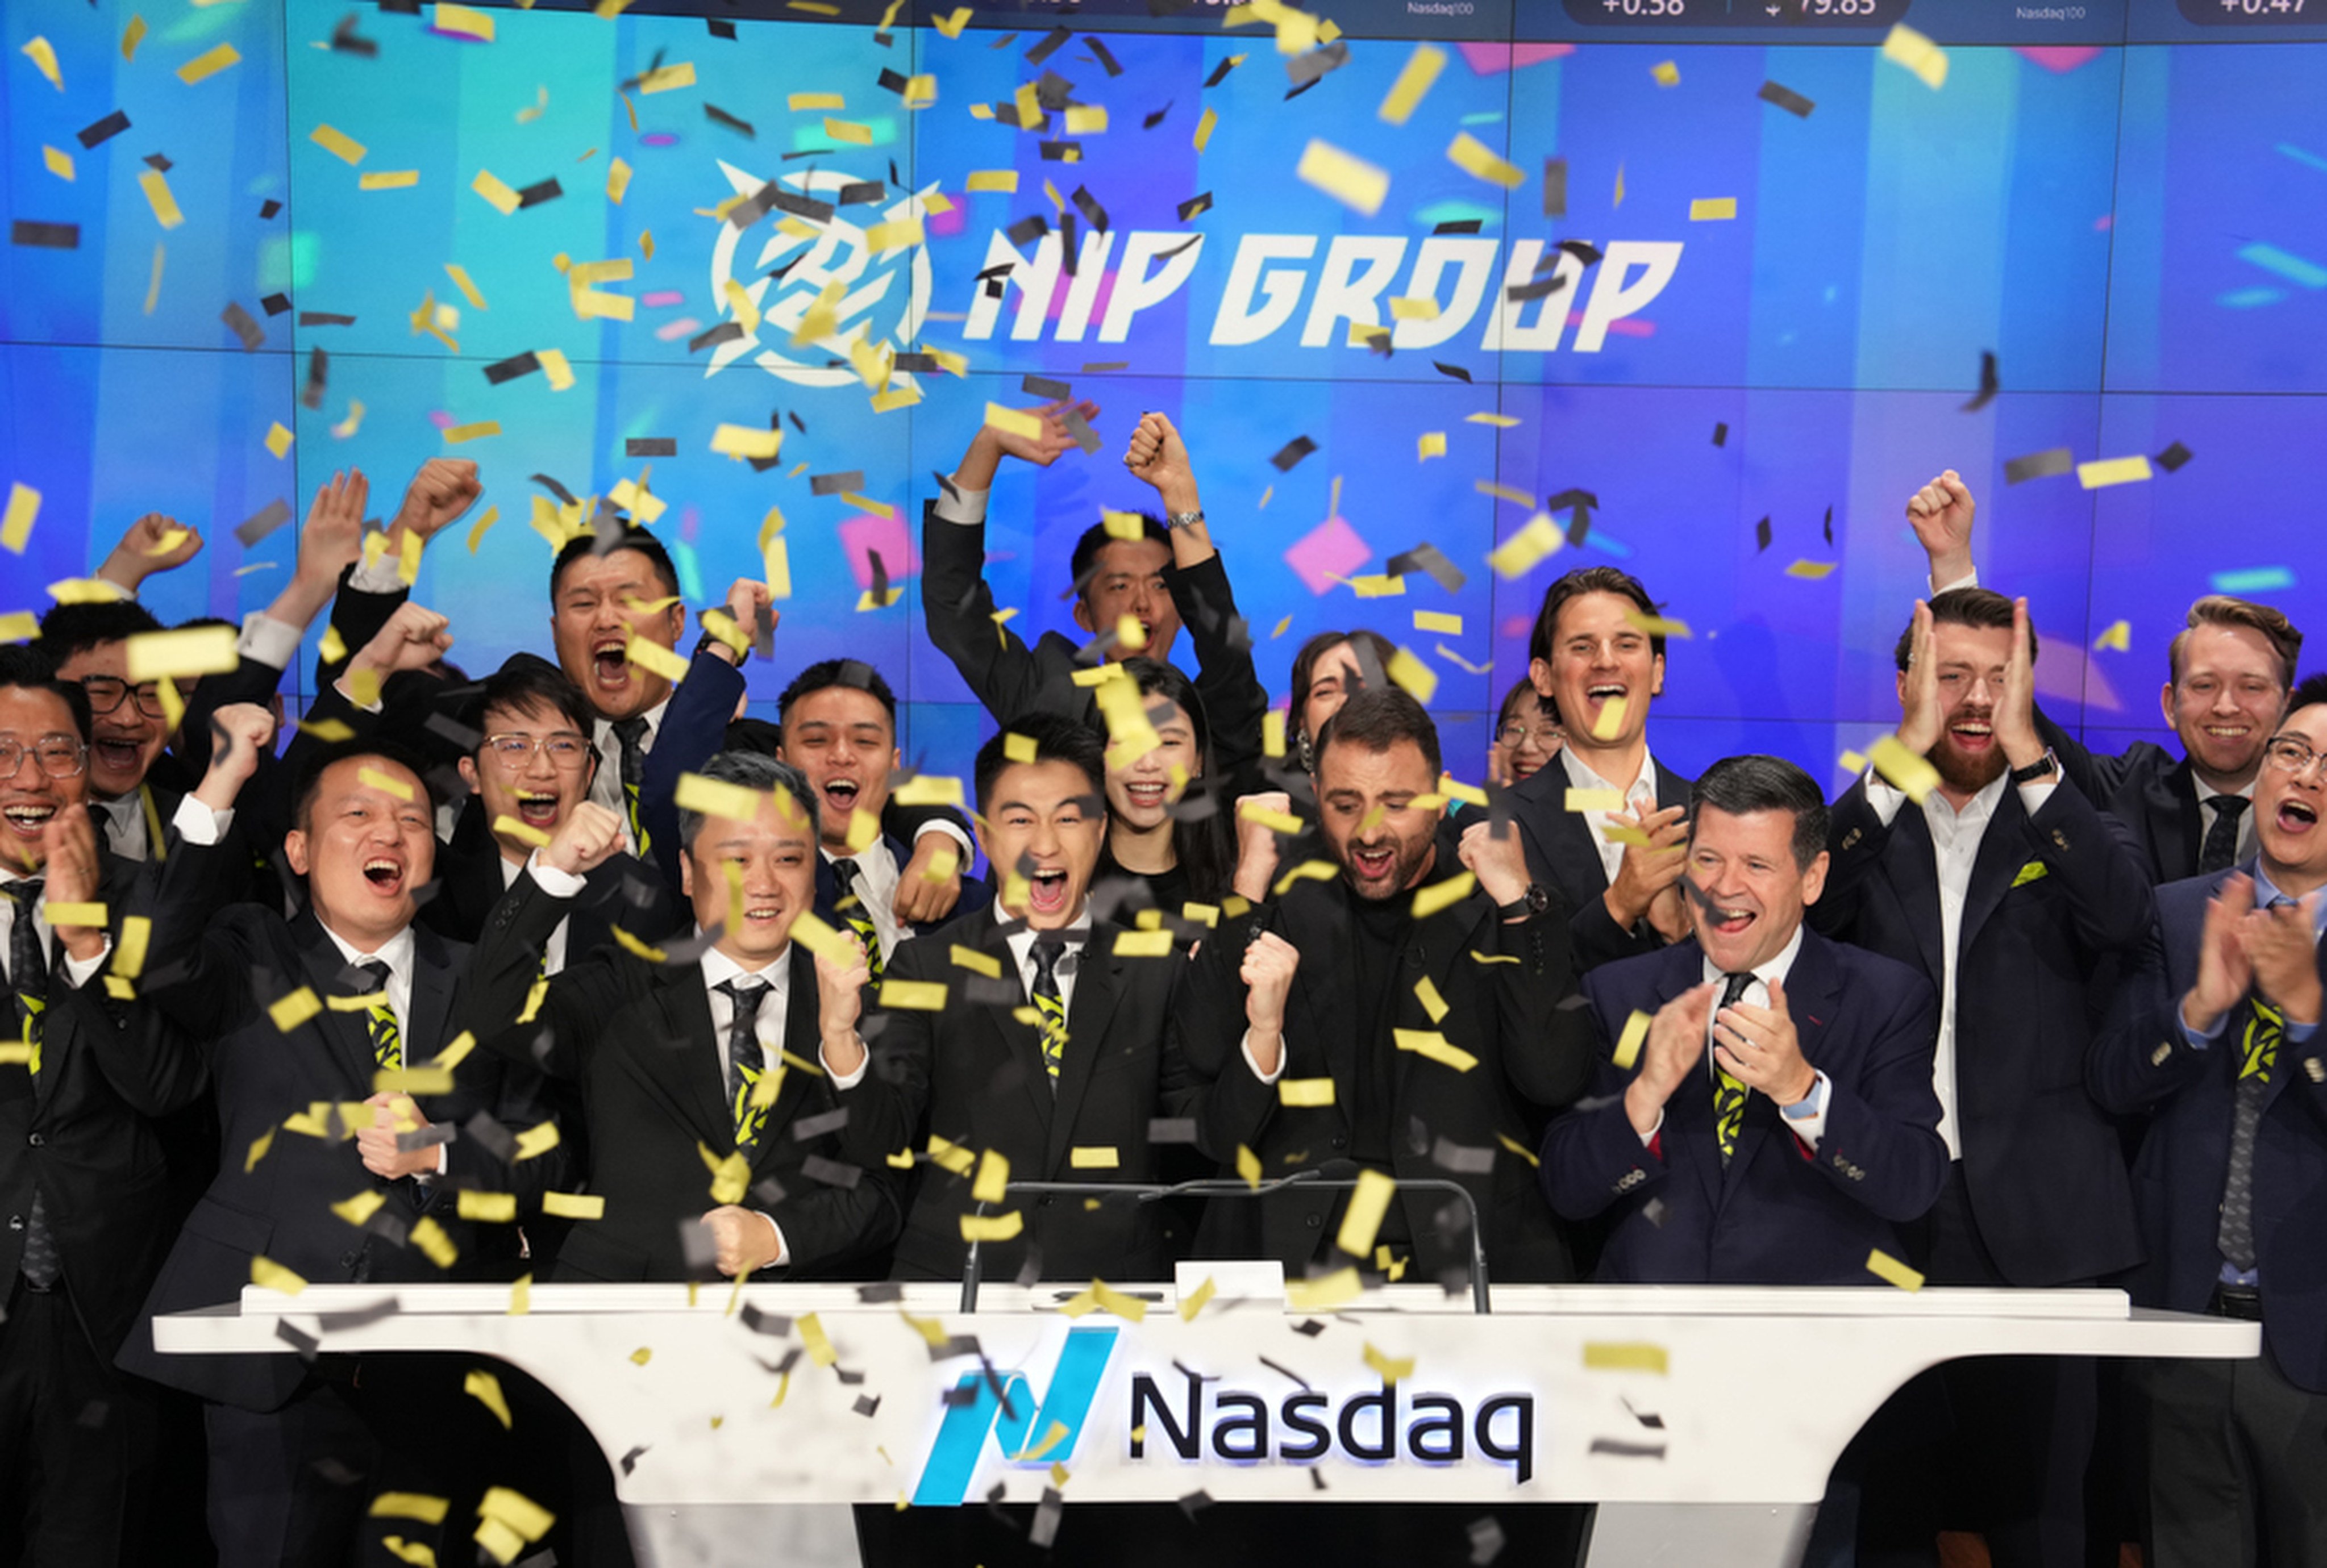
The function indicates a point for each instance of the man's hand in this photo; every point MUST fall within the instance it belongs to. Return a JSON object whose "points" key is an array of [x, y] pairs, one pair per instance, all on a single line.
{"points": [[1676, 1040], [1156, 456], [745, 595], [1257, 845], [2284, 956], [1922, 714], [154, 544], [392, 1113], [747, 1241], [444, 489], [1668, 912], [2225, 971], [239, 732], [990, 445], [588, 837], [1270, 962], [331, 538], [68, 850], [1649, 869], [414, 638], [1758, 1047], [2015, 705], [1498, 863], [930, 884], [1940, 514], [839, 1002]]}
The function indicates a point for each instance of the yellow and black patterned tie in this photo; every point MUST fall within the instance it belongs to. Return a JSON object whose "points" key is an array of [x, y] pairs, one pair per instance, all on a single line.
{"points": [[2266, 1028], [846, 873], [747, 1060], [1052, 1007], [28, 975], [386, 1038], [632, 734], [1728, 1093]]}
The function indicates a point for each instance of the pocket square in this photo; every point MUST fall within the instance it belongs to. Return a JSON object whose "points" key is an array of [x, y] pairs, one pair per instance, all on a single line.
{"points": [[2031, 872]]}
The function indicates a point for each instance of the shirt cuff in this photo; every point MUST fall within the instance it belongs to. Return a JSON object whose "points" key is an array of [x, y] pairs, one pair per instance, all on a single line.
{"points": [[1648, 1138], [961, 505], [79, 971], [1884, 797], [783, 1248], [2035, 793], [269, 641], [952, 830], [198, 824], [843, 1080], [1969, 579], [556, 883], [384, 576], [1268, 1077], [340, 686], [128, 590], [1806, 1118]]}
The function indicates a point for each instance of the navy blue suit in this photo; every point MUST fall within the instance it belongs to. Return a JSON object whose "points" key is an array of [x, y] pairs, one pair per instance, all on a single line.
{"points": [[1778, 1214], [976, 895], [2143, 1062]]}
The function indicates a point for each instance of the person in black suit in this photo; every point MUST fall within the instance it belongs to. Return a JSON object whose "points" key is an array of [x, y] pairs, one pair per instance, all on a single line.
{"points": [[1597, 658], [1325, 988], [81, 1177], [1052, 1067], [1779, 1117], [2009, 891], [1166, 576], [2230, 672], [749, 1049], [2217, 1035], [333, 1170]]}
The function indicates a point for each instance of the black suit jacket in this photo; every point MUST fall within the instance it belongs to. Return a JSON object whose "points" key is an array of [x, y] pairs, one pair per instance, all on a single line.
{"points": [[289, 1153], [2053, 898], [638, 1037], [1779, 1213], [2143, 1062], [2146, 787], [81, 1134], [973, 1075], [1561, 854], [976, 895], [1502, 985]]}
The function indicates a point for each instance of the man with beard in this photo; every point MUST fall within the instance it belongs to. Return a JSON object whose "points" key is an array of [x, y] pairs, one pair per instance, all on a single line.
{"points": [[2228, 673], [2008, 891]]}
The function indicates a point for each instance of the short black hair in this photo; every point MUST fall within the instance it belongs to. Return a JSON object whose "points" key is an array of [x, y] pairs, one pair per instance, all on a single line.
{"points": [[1379, 718], [1097, 538], [825, 674], [631, 538], [1984, 608], [1575, 585], [1742, 786], [71, 628], [1055, 739], [1520, 690], [2310, 690], [1304, 667], [528, 680], [32, 669], [323, 759]]}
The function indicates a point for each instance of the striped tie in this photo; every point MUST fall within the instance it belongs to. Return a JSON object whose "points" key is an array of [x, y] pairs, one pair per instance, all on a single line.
{"points": [[1728, 1093], [747, 1060], [28, 971], [1051, 1006], [632, 733], [2266, 1028], [852, 909], [386, 1038]]}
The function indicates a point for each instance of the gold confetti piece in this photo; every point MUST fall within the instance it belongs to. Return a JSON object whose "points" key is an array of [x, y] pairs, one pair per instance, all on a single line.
{"points": [[1905, 46], [929, 789], [1403, 308], [75, 914], [1085, 121], [1891, 1270], [1520, 554], [643, 1355], [132, 36], [486, 1389], [2119, 637], [1612, 718], [992, 1227], [1505, 1139], [713, 797], [1474, 158], [460, 280], [209, 64], [903, 233], [536, 1139], [1156, 944], [1391, 1369], [1254, 812], [993, 1176], [1431, 1044], [490, 1207], [16, 525], [745, 441], [1130, 1309], [913, 996], [418, 1505], [1613, 833], [1712, 208], [667, 78], [1905, 771], [412, 1081], [279, 441], [373, 778], [1011, 422], [269, 1276], [43, 55], [575, 1205], [1348, 178], [1211, 117], [1594, 801], [2113, 471], [389, 179], [359, 1210], [59, 161], [1667, 73], [1248, 1164], [1439, 895], [463, 21], [259, 1147], [338, 144], [554, 366], [952, 25], [848, 131], [288, 1013], [1618, 201], [1636, 1034], [1812, 571], [1416, 678], [1325, 1292], [1305, 1091], [1625, 1356], [158, 197], [1414, 79], [1363, 1215]]}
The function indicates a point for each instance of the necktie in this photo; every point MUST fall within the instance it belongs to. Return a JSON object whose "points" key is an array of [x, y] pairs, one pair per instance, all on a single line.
{"points": [[2220, 850], [633, 735], [1052, 1007], [379, 1015], [2266, 1027], [748, 1061], [853, 910], [28, 971], [1728, 1093]]}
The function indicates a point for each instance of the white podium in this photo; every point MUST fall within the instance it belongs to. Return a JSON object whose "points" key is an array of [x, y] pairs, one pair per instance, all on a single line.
{"points": [[1704, 1421]]}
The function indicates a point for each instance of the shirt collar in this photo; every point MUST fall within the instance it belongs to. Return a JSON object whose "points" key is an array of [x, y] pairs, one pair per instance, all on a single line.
{"points": [[1075, 934], [2207, 791], [2265, 891], [1978, 809], [718, 968], [1580, 775], [1777, 966], [604, 732], [395, 952]]}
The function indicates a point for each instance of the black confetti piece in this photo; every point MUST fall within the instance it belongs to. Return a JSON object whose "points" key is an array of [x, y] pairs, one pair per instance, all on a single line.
{"points": [[1027, 230], [1221, 71], [1306, 71], [1043, 1530], [650, 446], [1720, 434], [861, 193], [1455, 371], [1542, 288], [729, 332], [1622, 1448], [536, 194], [1428, 558], [104, 130], [510, 368], [269, 208], [1288, 1371], [1195, 204], [1988, 386], [1584, 253], [630, 1459], [833, 484], [1786, 99], [159, 162], [866, 1405], [1195, 1502], [1155, 118], [1050, 45], [311, 395], [830, 1173], [325, 319], [816, 1126], [45, 235], [720, 27], [1555, 187], [261, 523], [719, 116], [1043, 387], [1292, 452], [1061, 152], [1457, 226], [1088, 205], [2173, 457], [2046, 464], [1487, 1541], [1107, 61], [1762, 533], [1829, 525], [880, 1294]]}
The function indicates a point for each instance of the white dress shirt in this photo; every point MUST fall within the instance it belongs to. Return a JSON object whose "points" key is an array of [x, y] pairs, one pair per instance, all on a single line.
{"points": [[553, 951], [2208, 795], [1642, 797], [1075, 935], [606, 788], [960, 505], [123, 828], [75, 971]]}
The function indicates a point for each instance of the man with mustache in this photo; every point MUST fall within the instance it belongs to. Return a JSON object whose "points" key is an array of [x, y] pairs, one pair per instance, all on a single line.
{"points": [[2009, 891]]}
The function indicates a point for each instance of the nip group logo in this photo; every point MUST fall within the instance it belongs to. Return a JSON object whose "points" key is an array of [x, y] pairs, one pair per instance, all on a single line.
{"points": [[883, 296]]}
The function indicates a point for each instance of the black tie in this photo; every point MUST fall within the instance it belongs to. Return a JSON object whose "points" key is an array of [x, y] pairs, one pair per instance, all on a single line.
{"points": [[2264, 1031], [745, 1059], [860, 918], [1051, 1006], [28, 973], [1728, 1093], [2220, 850], [632, 733]]}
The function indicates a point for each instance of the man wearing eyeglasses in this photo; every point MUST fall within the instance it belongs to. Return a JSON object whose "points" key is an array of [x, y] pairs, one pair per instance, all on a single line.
{"points": [[2217, 1040]]}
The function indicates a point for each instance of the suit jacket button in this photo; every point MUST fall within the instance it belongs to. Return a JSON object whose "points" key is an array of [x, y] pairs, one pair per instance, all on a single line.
{"points": [[1341, 1143], [1313, 1221], [36, 1139], [347, 1260], [15, 1222]]}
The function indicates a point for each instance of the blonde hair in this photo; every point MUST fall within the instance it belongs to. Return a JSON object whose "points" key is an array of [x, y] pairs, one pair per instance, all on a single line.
{"points": [[2221, 610]]}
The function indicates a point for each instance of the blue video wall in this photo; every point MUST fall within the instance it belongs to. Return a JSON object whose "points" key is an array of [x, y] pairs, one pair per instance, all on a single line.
{"points": [[1793, 239]]}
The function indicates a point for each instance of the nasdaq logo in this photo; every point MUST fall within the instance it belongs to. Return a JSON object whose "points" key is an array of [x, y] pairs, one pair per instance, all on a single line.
{"points": [[1021, 1425], [1523, 306]]}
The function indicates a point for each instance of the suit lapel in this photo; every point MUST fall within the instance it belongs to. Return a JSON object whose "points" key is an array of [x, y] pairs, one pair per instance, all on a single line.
{"points": [[1688, 1136], [690, 1075], [1022, 1043], [2291, 1056], [1315, 919], [433, 976], [1099, 981], [1912, 861], [2003, 850], [802, 1039], [2176, 833], [1812, 990]]}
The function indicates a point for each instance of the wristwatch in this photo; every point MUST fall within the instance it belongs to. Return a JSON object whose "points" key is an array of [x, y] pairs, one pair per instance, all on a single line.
{"points": [[1185, 520], [1528, 905], [2044, 765]]}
